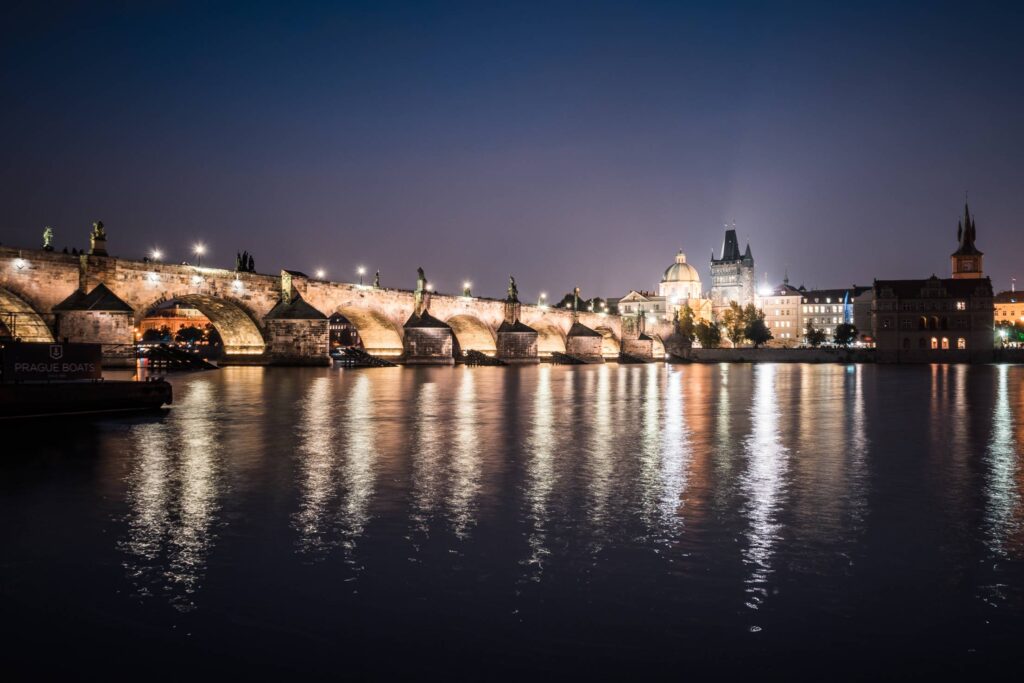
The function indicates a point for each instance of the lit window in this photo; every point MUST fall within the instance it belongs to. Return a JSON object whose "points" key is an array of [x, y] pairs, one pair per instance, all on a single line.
{"points": [[961, 343], [935, 343], [945, 343], [961, 305]]}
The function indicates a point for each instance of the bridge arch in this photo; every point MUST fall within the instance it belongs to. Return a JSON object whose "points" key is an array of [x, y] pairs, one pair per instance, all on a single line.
{"points": [[550, 338], [379, 334], [235, 325], [20, 320], [469, 333]]}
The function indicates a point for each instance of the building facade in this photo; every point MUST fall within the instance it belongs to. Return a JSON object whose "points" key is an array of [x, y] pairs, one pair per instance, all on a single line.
{"points": [[732, 275], [935, 319], [826, 309], [782, 315], [1009, 308]]}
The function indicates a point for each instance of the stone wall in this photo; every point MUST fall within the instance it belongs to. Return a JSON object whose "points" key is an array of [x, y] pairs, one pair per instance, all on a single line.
{"points": [[518, 347], [586, 348], [113, 329], [297, 342], [428, 346], [639, 348], [763, 355]]}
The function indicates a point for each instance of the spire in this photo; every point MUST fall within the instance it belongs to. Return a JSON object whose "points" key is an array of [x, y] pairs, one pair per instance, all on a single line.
{"points": [[747, 253], [785, 279]]}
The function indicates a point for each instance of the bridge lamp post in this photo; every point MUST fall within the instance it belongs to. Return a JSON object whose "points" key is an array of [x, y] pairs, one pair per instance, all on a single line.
{"points": [[543, 300], [465, 289], [156, 255], [320, 274], [199, 249], [362, 271]]}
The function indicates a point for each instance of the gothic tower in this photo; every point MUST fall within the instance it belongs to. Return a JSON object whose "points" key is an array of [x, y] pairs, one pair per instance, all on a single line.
{"points": [[966, 259]]}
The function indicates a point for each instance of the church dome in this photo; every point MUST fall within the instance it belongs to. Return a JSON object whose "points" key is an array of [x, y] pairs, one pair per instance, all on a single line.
{"points": [[681, 271]]}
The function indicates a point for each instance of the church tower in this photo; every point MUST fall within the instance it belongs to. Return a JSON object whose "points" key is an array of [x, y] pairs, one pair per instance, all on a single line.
{"points": [[966, 259]]}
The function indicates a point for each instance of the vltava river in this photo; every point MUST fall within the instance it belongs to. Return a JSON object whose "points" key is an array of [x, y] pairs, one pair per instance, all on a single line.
{"points": [[493, 522]]}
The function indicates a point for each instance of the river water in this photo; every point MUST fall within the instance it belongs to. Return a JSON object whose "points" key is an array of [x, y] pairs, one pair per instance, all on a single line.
{"points": [[493, 522]]}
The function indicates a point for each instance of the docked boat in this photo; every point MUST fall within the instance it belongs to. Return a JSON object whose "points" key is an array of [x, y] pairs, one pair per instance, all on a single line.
{"points": [[65, 379]]}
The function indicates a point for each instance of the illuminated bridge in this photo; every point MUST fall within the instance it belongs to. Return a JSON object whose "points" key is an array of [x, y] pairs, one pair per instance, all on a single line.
{"points": [[46, 295]]}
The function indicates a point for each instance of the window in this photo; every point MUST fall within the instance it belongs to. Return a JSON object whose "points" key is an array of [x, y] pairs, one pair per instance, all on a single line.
{"points": [[961, 343], [945, 343], [935, 343], [961, 305]]}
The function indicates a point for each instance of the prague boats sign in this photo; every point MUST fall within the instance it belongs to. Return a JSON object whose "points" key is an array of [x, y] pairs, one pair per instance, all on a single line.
{"points": [[41, 362]]}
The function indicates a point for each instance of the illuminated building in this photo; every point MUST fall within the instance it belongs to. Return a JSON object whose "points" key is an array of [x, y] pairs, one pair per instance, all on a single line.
{"points": [[732, 275], [937, 319], [781, 308], [1009, 308]]}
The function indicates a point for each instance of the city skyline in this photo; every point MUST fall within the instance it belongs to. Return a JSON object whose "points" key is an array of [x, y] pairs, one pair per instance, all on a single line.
{"points": [[568, 149]]}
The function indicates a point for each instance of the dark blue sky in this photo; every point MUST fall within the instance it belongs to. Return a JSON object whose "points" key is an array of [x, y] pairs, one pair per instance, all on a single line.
{"points": [[568, 143]]}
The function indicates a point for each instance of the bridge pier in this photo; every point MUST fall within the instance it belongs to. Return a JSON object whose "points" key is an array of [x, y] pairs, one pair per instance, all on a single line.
{"points": [[516, 341], [98, 317], [584, 343], [296, 334], [428, 341]]}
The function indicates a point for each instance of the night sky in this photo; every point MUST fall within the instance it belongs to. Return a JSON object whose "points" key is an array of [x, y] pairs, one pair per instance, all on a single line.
{"points": [[567, 143]]}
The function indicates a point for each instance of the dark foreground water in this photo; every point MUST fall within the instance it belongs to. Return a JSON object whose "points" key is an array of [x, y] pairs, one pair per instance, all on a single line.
{"points": [[493, 522]]}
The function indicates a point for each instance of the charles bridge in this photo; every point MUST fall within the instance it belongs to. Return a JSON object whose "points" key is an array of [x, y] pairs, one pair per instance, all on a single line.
{"points": [[283, 319]]}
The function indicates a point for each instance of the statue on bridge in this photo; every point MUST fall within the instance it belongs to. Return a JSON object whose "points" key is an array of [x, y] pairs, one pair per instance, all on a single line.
{"points": [[47, 238], [420, 295], [98, 240], [376, 279], [513, 290]]}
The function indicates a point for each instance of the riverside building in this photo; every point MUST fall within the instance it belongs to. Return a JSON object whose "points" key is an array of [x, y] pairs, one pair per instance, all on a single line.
{"points": [[937, 319]]}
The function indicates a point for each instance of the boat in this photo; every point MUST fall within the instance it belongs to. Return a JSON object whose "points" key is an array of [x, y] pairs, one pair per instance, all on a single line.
{"points": [[41, 380]]}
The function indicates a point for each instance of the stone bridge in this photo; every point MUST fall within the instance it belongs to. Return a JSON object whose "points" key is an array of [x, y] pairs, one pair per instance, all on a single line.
{"points": [[46, 295]]}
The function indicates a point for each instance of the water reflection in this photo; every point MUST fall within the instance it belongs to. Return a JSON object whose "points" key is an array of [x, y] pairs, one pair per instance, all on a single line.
{"points": [[465, 466], [357, 466], [317, 482], [762, 484], [599, 464], [426, 457], [172, 499], [540, 473], [1002, 490], [675, 455]]}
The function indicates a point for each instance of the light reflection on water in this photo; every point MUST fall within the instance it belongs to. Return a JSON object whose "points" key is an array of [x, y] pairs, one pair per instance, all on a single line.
{"points": [[641, 495], [762, 484], [172, 499]]}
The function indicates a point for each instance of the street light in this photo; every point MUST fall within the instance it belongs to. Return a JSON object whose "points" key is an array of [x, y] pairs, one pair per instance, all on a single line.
{"points": [[465, 288], [543, 300], [156, 255], [320, 274], [362, 272], [199, 250]]}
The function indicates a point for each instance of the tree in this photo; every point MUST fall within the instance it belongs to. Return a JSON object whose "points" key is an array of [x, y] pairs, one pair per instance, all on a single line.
{"points": [[845, 334], [212, 335], [708, 334], [687, 326], [813, 336], [189, 335], [758, 333], [734, 323], [152, 335]]}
